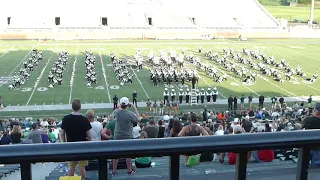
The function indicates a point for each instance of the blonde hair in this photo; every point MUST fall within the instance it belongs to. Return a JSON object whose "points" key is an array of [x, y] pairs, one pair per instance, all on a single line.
{"points": [[15, 129], [143, 135]]}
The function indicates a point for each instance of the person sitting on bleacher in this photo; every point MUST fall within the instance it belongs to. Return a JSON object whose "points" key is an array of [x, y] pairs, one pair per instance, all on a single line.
{"points": [[143, 162], [5, 139], [262, 155]]}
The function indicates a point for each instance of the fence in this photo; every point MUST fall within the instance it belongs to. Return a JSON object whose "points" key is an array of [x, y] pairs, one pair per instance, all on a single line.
{"points": [[172, 147]]}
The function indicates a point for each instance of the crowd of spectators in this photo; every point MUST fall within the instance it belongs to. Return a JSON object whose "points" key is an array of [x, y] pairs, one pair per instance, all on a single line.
{"points": [[124, 124]]}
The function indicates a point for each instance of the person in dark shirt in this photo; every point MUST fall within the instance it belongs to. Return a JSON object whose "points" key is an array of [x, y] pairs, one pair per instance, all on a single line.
{"points": [[313, 122], [74, 128], [14, 123], [235, 103], [250, 100], [5, 140], [261, 101], [230, 100], [134, 98], [281, 101], [247, 125], [205, 114], [115, 102]]}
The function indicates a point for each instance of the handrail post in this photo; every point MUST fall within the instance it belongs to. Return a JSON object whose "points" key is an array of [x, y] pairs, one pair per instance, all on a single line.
{"points": [[241, 166], [26, 172], [102, 169], [174, 167], [303, 163]]}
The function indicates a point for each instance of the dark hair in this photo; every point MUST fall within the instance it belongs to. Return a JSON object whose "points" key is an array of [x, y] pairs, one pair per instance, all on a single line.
{"points": [[230, 129], [76, 105], [5, 134], [194, 117], [123, 106], [170, 123], [268, 128], [151, 121], [176, 127], [160, 123], [135, 124]]}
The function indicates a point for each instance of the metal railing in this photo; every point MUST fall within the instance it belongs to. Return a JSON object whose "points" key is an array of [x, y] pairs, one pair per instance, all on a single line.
{"points": [[172, 147]]}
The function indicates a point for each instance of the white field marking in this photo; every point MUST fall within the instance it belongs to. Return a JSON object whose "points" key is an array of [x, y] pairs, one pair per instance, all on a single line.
{"points": [[234, 79], [310, 65], [104, 74], [136, 76], [72, 76], [296, 47], [38, 80], [8, 50], [21, 61], [265, 79]]}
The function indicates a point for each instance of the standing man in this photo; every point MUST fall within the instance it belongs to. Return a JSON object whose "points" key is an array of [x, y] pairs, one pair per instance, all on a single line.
{"points": [[124, 129], [165, 96], [96, 129], [115, 102], [273, 102], [134, 98], [198, 95], [181, 94], [261, 101], [310, 101], [281, 101], [151, 129], [230, 100], [214, 94], [235, 103], [250, 100], [187, 96], [148, 103], [202, 95], [35, 134], [242, 102], [193, 81], [173, 96], [75, 128], [208, 93]]}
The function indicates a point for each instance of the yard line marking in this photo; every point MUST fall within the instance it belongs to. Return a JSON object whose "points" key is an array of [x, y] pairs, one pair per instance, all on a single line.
{"points": [[136, 75], [7, 51], [104, 74], [38, 80], [73, 73], [21, 62]]}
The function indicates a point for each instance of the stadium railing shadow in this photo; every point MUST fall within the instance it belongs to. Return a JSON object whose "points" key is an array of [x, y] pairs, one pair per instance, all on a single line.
{"points": [[25, 155]]}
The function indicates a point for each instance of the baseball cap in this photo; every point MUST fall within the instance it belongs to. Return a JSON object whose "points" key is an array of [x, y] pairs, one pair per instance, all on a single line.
{"points": [[166, 118], [236, 120], [317, 107], [124, 101]]}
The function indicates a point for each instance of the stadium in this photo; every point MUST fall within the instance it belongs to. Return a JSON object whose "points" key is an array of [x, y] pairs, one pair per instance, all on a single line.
{"points": [[170, 58]]}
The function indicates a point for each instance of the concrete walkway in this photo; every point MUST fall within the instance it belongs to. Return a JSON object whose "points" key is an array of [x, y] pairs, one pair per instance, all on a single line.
{"points": [[140, 104], [39, 172]]}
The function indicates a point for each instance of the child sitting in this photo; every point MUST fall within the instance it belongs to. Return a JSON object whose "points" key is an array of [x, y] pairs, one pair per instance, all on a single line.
{"points": [[143, 162]]}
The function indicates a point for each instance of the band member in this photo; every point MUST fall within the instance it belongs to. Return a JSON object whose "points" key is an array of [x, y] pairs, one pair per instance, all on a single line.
{"points": [[166, 96], [214, 94], [181, 94], [202, 95], [208, 93], [187, 96], [173, 95], [200, 49], [198, 95]]}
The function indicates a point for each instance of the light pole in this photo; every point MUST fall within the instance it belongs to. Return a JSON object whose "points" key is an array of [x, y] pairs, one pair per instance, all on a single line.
{"points": [[311, 13]]}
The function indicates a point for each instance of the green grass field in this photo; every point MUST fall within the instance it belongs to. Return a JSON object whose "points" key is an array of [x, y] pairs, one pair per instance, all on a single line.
{"points": [[303, 52], [291, 13]]}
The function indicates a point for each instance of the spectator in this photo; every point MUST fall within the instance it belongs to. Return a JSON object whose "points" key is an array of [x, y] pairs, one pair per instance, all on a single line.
{"points": [[151, 129], [45, 137], [192, 130], [74, 128], [212, 115], [35, 134], [263, 155], [247, 124], [96, 127], [205, 114], [169, 127], [297, 126], [267, 127], [220, 130], [44, 123], [223, 154], [124, 129], [14, 122], [52, 136], [109, 128], [232, 155], [5, 139], [143, 162], [136, 130], [176, 128], [235, 123], [313, 122], [161, 130], [16, 135]]}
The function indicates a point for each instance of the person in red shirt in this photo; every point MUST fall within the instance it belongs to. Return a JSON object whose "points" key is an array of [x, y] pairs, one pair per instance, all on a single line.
{"points": [[232, 155], [263, 155]]}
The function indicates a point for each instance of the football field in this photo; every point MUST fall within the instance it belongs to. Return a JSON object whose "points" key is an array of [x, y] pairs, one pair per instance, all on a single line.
{"points": [[302, 52]]}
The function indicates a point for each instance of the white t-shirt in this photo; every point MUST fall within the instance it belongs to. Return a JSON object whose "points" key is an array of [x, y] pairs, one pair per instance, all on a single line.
{"points": [[96, 131], [136, 132]]}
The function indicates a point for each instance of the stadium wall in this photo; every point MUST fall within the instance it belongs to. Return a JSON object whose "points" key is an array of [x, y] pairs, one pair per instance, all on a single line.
{"points": [[162, 34]]}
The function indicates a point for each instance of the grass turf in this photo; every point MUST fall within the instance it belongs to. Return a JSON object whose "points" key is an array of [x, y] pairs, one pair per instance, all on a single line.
{"points": [[297, 52], [291, 13]]}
